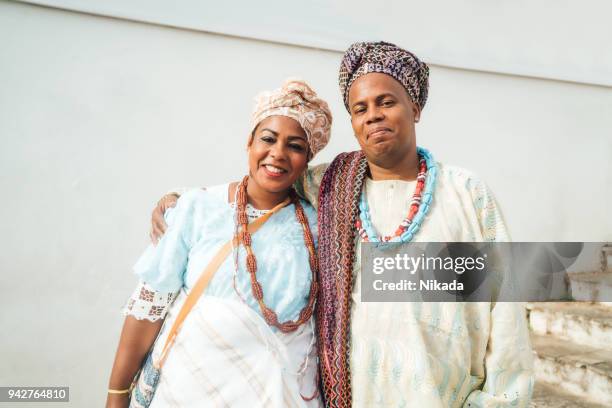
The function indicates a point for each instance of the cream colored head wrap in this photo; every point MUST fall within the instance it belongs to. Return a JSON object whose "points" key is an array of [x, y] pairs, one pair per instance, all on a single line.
{"points": [[296, 100]]}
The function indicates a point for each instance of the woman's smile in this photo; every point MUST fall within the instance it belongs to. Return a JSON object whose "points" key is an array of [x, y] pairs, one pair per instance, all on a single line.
{"points": [[273, 171]]}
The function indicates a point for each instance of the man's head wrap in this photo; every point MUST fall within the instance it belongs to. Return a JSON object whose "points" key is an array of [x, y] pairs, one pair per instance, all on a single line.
{"points": [[296, 100], [364, 57]]}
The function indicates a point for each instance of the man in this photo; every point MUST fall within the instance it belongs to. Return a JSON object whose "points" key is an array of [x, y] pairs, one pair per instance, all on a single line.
{"points": [[403, 354]]}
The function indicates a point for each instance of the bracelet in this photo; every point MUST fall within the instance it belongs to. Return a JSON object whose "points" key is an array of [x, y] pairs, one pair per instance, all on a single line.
{"points": [[126, 391]]}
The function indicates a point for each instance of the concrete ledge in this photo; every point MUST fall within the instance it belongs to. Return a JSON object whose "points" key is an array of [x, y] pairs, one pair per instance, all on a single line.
{"points": [[589, 324], [549, 396], [591, 286], [583, 371]]}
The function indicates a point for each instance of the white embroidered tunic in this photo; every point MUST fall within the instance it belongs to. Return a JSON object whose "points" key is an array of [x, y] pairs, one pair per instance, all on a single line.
{"points": [[436, 354]]}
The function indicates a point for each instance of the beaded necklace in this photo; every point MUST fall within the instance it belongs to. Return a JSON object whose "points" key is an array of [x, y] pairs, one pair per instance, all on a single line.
{"points": [[419, 205], [245, 238]]}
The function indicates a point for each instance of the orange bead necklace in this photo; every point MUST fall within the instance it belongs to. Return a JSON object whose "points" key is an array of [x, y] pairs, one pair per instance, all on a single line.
{"points": [[245, 239]]}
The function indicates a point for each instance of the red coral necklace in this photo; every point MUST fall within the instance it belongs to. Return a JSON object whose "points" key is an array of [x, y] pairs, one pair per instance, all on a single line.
{"points": [[245, 238]]}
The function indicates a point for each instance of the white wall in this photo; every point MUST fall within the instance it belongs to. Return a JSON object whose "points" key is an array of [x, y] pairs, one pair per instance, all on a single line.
{"points": [[99, 116], [558, 39]]}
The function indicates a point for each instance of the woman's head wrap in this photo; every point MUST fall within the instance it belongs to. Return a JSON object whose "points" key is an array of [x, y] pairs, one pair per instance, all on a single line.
{"points": [[364, 57], [296, 100]]}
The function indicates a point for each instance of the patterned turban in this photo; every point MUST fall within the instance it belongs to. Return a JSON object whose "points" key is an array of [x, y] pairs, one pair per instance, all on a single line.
{"points": [[364, 57], [296, 100]]}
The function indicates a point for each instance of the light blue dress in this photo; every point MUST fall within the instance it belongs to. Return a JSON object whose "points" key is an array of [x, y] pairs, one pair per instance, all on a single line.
{"points": [[201, 223]]}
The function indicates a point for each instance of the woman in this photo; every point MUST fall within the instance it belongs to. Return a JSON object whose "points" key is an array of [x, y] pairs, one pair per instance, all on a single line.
{"points": [[249, 339]]}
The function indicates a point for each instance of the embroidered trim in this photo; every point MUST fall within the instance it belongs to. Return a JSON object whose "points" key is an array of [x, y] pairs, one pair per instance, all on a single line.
{"points": [[147, 303]]}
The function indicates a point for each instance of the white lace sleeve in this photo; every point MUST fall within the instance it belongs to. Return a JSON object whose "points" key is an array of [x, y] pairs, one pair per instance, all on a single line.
{"points": [[147, 303]]}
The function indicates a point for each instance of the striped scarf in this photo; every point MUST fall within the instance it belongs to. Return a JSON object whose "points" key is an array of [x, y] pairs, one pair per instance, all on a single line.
{"points": [[338, 210]]}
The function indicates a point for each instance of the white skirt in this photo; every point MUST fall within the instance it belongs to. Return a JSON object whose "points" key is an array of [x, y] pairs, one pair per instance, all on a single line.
{"points": [[226, 355]]}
